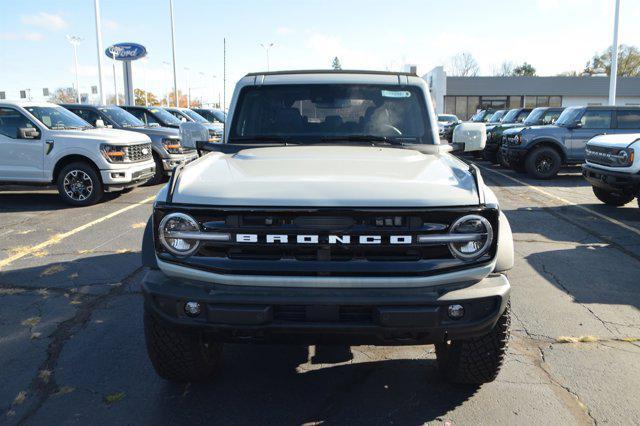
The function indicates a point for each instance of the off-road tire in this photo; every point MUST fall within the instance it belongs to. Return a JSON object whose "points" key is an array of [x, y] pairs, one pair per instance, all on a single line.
{"points": [[178, 356], [518, 167], [490, 156], [97, 189], [543, 162], [158, 176], [476, 360], [502, 160], [612, 198]]}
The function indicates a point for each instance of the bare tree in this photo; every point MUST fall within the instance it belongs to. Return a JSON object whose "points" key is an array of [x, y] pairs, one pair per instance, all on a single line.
{"points": [[463, 65], [64, 95], [505, 69]]}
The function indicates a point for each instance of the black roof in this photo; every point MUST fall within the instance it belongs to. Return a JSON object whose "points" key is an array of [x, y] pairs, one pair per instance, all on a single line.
{"points": [[325, 71]]}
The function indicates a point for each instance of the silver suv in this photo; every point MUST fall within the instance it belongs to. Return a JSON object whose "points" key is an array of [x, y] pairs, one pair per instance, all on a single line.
{"points": [[332, 213]]}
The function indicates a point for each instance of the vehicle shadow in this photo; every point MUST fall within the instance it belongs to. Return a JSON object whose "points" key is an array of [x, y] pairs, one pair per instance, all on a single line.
{"points": [[568, 177], [268, 385], [589, 269], [37, 199]]}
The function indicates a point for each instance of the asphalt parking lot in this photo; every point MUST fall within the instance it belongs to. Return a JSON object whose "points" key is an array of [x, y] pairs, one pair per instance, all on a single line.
{"points": [[72, 346]]}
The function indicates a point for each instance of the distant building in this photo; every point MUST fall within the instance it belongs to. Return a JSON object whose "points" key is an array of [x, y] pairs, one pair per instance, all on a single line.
{"points": [[464, 96]]}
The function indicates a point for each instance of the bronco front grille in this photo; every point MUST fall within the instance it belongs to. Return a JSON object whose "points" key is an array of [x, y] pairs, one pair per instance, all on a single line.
{"points": [[321, 256], [602, 155], [137, 153]]}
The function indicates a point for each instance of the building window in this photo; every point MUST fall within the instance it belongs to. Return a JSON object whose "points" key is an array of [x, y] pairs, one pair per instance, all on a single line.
{"points": [[555, 101], [450, 105], [542, 101], [515, 102]]}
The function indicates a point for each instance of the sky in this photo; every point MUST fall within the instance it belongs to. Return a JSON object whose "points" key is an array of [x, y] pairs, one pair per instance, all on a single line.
{"points": [[552, 35]]}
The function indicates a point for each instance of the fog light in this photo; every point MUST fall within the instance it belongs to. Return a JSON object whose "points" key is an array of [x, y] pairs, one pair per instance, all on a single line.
{"points": [[192, 309], [455, 311]]}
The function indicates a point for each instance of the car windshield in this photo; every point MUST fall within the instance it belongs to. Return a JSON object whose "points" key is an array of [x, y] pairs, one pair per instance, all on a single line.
{"points": [[121, 117], [165, 116], [58, 118], [510, 117], [219, 115], [496, 116], [331, 112], [195, 116], [447, 118], [569, 116], [534, 117]]}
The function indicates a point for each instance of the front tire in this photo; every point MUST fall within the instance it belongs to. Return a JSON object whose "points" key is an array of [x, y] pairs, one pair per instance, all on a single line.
{"points": [[478, 359], [543, 163], [178, 356], [79, 184], [612, 198], [158, 176]]}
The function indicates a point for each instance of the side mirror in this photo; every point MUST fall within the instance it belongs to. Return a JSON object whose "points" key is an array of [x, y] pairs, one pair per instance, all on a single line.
{"points": [[28, 133], [470, 137], [100, 123], [193, 135], [184, 120], [577, 125]]}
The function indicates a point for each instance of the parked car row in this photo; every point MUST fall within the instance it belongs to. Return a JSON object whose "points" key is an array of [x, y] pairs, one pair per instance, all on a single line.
{"points": [[87, 150], [539, 142]]}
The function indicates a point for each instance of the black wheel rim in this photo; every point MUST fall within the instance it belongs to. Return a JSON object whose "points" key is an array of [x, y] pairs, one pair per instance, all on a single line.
{"points": [[544, 164], [78, 185]]}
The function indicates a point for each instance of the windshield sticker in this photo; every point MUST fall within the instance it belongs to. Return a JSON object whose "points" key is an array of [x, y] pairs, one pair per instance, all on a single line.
{"points": [[396, 94]]}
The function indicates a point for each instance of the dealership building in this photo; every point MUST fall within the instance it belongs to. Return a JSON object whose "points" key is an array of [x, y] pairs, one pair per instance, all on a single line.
{"points": [[463, 96]]}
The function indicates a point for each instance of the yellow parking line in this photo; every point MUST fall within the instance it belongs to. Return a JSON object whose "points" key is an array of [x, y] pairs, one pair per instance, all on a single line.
{"points": [[59, 237], [567, 202]]}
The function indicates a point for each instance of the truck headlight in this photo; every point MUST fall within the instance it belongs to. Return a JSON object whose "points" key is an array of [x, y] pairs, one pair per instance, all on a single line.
{"points": [[471, 224], [625, 157], [113, 153], [171, 226], [172, 145]]}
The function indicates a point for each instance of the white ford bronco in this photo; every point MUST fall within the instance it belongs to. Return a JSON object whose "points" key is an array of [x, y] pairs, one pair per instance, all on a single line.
{"points": [[43, 143], [613, 168], [332, 212]]}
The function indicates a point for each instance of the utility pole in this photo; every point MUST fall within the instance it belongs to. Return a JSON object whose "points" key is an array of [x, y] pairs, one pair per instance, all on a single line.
{"points": [[613, 77], [266, 47], [115, 78], [75, 41], [96, 4], [173, 52], [224, 75]]}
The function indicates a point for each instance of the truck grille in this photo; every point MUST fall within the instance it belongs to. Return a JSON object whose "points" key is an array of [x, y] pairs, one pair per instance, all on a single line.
{"points": [[137, 153], [602, 155]]}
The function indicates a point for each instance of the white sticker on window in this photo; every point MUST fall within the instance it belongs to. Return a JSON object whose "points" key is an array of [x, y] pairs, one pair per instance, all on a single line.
{"points": [[396, 94]]}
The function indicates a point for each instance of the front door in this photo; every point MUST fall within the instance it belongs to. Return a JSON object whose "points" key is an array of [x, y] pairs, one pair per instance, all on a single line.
{"points": [[21, 156], [592, 123]]}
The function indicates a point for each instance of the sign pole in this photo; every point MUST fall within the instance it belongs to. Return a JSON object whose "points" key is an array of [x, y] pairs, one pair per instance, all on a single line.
{"points": [[613, 77], [173, 51], [96, 4], [115, 79]]}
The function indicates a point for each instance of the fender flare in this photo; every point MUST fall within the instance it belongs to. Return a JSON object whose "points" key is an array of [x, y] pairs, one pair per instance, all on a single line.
{"points": [[551, 142], [505, 254]]}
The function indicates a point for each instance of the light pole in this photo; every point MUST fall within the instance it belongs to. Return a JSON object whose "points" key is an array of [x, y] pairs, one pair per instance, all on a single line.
{"points": [[613, 77], [75, 41], [267, 47], [173, 52], [96, 4], [188, 87], [113, 52]]}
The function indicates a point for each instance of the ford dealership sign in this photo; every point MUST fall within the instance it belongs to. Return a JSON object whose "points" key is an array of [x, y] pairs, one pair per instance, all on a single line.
{"points": [[126, 51]]}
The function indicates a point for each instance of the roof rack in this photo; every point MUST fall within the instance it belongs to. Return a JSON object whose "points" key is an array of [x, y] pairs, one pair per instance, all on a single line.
{"points": [[325, 71]]}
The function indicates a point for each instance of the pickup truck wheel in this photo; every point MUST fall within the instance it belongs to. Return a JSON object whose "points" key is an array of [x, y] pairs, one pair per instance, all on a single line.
{"points": [[612, 198], [518, 167], [478, 359], [79, 184], [543, 163], [158, 176], [490, 157], [180, 357], [502, 160]]}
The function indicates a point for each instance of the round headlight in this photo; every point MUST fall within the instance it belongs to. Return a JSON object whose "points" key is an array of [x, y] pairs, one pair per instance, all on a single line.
{"points": [[175, 223], [476, 226]]}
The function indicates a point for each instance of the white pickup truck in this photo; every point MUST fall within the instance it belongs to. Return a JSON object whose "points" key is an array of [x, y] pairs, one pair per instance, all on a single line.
{"points": [[43, 143], [613, 168]]}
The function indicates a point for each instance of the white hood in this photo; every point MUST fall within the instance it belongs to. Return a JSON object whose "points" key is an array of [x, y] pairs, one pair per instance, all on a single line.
{"points": [[615, 141], [330, 176], [111, 136]]}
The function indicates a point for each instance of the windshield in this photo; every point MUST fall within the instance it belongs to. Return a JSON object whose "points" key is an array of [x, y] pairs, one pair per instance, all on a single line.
{"points": [[497, 116], [58, 118], [447, 118], [511, 116], [534, 116], [195, 116], [569, 116], [165, 116], [219, 115], [121, 117], [320, 112]]}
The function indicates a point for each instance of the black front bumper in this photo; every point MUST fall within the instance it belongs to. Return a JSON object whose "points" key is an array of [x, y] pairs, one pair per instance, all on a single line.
{"points": [[626, 183], [325, 315], [513, 155]]}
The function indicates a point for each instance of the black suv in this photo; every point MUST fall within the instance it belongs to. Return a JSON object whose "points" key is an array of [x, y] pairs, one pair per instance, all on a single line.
{"points": [[153, 115]]}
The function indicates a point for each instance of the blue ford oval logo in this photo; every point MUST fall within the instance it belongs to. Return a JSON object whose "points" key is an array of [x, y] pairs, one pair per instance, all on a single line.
{"points": [[126, 51]]}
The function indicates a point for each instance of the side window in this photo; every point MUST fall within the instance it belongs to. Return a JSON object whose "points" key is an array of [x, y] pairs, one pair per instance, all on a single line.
{"points": [[11, 121], [551, 117], [149, 119], [596, 119], [629, 119], [87, 115], [139, 114], [522, 116]]}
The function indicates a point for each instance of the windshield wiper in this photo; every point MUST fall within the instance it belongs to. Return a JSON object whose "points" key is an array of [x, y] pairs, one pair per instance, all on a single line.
{"points": [[261, 138], [364, 138]]}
